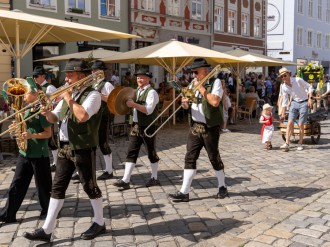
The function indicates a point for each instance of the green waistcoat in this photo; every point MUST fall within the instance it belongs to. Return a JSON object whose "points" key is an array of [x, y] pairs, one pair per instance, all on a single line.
{"points": [[81, 135], [44, 87], [213, 115], [145, 120]]}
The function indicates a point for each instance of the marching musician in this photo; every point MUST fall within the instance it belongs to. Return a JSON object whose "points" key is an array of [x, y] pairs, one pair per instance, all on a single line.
{"points": [[205, 119], [33, 161], [104, 88], [145, 111], [79, 120], [39, 76]]}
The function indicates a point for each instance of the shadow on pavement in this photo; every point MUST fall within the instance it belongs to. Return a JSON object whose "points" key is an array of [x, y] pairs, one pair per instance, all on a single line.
{"points": [[290, 193]]}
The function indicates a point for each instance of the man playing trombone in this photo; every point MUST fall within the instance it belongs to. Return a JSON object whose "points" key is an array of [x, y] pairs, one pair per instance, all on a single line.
{"points": [[144, 113], [205, 119], [79, 120]]}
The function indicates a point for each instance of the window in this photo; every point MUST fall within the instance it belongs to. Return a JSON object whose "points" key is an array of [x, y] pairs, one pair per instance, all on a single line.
{"points": [[319, 40], [299, 35], [173, 7], [245, 24], [231, 21], [327, 42], [110, 8], [80, 4], [257, 27], [309, 38], [196, 6], [218, 18], [148, 5], [319, 10], [310, 8], [42, 4], [327, 12], [300, 6], [141, 44], [82, 7]]}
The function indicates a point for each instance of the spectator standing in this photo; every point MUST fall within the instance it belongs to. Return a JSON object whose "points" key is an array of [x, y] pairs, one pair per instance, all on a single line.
{"points": [[297, 88]]}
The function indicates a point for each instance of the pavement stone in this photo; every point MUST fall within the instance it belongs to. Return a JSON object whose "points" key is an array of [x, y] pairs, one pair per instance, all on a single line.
{"points": [[276, 198]]}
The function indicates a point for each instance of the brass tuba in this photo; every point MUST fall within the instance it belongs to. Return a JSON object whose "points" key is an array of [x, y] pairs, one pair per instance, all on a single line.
{"points": [[13, 91]]}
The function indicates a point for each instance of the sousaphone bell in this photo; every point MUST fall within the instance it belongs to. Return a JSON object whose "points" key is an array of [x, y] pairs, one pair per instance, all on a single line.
{"points": [[117, 100]]}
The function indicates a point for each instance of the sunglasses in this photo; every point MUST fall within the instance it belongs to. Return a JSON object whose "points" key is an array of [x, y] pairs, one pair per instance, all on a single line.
{"points": [[195, 72], [283, 76], [36, 76]]}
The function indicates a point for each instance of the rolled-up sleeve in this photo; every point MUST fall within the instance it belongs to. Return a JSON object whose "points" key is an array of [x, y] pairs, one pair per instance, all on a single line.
{"points": [[151, 101], [92, 103]]}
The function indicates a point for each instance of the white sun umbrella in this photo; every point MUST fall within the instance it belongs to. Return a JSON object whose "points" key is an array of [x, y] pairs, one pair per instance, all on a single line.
{"points": [[95, 54], [26, 29], [173, 56], [252, 59]]}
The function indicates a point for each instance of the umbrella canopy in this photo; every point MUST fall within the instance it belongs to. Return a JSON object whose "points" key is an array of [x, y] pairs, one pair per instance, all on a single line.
{"points": [[258, 60], [172, 55], [27, 29], [253, 60], [95, 54]]}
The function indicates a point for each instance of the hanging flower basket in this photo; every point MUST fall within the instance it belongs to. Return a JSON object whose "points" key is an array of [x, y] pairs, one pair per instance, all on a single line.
{"points": [[311, 73]]}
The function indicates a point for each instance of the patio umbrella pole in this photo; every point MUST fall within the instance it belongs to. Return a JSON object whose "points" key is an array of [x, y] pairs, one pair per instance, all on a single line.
{"points": [[18, 54], [173, 91]]}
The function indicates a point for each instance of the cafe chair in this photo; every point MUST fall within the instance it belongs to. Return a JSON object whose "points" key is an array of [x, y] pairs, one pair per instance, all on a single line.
{"points": [[247, 110]]}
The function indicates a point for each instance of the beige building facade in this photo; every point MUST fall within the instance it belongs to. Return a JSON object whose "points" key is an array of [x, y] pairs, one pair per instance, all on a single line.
{"points": [[5, 58]]}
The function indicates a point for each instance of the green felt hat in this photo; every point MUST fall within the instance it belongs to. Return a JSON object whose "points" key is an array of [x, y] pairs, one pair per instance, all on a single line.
{"points": [[32, 84]]}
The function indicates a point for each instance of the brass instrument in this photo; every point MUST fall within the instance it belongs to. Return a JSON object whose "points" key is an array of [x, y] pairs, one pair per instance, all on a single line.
{"points": [[186, 92], [46, 101], [14, 90]]}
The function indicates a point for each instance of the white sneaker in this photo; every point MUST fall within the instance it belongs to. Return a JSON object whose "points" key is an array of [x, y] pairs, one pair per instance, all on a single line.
{"points": [[285, 147], [300, 147], [225, 130]]}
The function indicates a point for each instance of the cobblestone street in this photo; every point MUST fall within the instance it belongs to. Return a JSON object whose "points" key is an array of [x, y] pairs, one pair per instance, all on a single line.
{"points": [[276, 198]]}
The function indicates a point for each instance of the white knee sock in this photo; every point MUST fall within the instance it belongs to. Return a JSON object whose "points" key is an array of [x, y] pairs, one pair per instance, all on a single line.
{"points": [[108, 162], [129, 166], [98, 211], [154, 169], [188, 176], [221, 178], [54, 208], [54, 153]]}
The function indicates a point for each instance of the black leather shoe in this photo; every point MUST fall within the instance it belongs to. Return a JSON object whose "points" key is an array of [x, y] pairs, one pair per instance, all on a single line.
{"points": [[223, 192], [38, 234], [106, 175], [180, 196], [75, 176], [53, 168], [93, 231], [121, 183], [153, 182]]}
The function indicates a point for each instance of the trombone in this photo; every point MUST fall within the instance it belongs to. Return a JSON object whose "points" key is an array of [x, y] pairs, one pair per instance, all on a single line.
{"points": [[45, 100], [186, 92]]}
